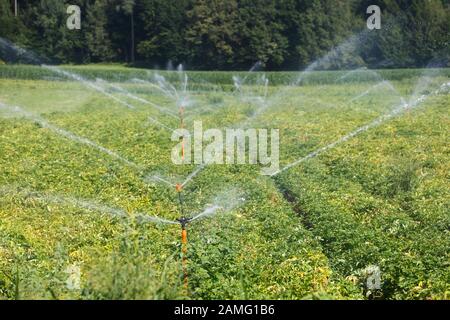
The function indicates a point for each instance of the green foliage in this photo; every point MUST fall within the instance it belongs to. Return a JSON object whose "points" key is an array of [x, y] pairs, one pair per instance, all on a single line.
{"points": [[380, 199], [205, 80], [324, 25], [233, 34], [98, 42], [212, 32], [261, 34]]}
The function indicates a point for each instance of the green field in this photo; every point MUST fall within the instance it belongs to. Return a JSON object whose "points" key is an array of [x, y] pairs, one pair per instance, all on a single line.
{"points": [[379, 199]]}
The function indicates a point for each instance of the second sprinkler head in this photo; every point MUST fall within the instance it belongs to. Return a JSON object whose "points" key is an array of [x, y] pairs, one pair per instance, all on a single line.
{"points": [[184, 221]]}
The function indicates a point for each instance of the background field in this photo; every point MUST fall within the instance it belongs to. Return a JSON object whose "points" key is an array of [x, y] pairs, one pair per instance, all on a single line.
{"points": [[380, 199]]}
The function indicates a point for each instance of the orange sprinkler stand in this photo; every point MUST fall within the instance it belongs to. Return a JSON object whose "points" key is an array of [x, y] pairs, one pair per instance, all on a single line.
{"points": [[184, 251], [184, 259], [184, 236], [184, 242], [178, 187]]}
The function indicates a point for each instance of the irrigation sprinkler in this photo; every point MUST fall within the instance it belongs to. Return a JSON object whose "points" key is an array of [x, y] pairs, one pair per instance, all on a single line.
{"points": [[184, 221], [119, 213]]}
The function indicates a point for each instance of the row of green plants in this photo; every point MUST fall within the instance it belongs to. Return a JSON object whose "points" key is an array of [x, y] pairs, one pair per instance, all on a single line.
{"points": [[258, 250], [313, 232], [116, 73], [380, 200]]}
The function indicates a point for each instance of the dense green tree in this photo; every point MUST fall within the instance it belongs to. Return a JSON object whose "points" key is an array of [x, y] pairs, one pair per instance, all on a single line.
{"points": [[290, 12], [413, 33], [50, 36], [234, 34], [121, 28], [10, 26], [163, 24], [429, 25], [211, 33], [323, 26], [260, 33], [127, 6], [98, 42]]}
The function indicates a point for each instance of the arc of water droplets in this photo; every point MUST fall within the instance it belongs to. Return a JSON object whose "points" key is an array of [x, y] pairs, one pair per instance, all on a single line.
{"points": [[160, 179], [363, 94], [348, 44], [259, 111], [226, 201], [132, 96], [207, 212], [266, 105], [350, 73], [184, 183], [193, 174], [102, 91], [203, 166], [374, 123], [106, 209], [169, 90], [69, 135], [87, 205], [267, 102], [376, 86], [148, 83], [382, 82], [8, 44]]}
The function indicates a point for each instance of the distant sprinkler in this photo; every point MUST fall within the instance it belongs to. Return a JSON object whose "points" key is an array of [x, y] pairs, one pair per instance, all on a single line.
{"points": [[179, 189]]}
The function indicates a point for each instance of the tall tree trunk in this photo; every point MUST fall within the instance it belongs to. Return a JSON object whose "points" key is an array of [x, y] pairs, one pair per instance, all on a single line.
{"points": [[132, 37]]}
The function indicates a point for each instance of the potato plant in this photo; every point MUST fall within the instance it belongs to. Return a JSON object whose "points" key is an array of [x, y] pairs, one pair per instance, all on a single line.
{"points": [[379, 200]]}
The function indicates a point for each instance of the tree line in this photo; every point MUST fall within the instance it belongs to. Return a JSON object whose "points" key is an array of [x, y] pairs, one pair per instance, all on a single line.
{"points": [[232, 34]]}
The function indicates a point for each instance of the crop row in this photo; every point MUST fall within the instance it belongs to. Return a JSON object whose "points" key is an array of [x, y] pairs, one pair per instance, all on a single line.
{"points": [[224, 79]]}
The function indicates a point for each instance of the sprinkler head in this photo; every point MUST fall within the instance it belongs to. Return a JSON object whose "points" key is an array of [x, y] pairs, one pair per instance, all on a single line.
{"points": [[178, 187], [184, 221]]}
